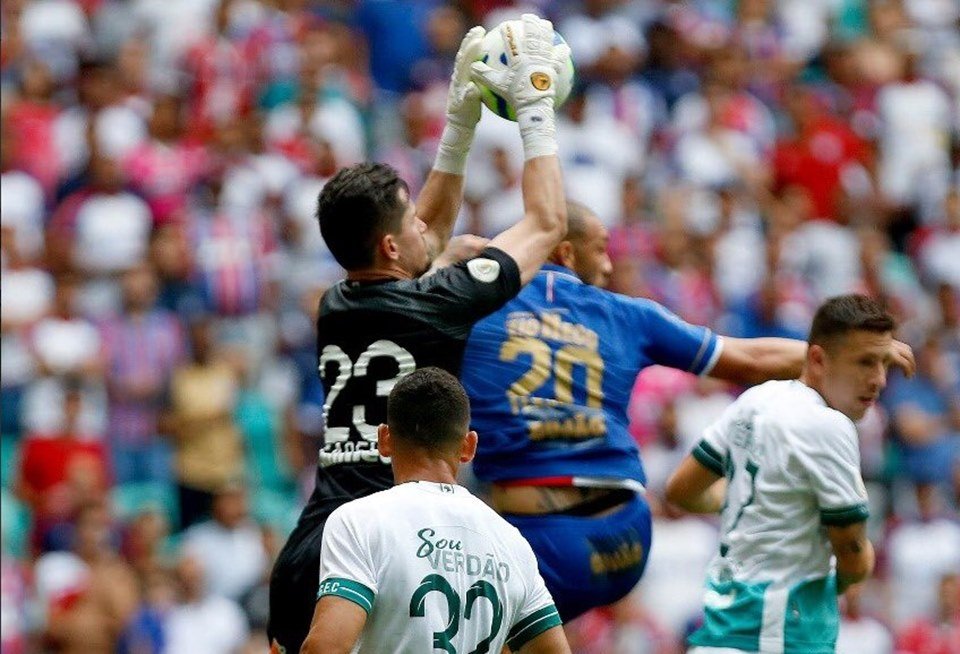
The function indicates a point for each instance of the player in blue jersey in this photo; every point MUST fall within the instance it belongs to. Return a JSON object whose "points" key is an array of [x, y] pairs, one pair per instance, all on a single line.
{"points": [[549, 377]]}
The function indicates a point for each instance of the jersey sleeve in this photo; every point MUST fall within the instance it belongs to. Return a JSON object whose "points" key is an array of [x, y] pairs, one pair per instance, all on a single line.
{"points": [[670, 341], [346, 562], [830, 455], [538, 612], [712, 450], [470, 290]]}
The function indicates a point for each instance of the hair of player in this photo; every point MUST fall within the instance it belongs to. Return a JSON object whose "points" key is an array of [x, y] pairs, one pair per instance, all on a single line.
{"points": [[429, 409], [577, 214], [843, 314], [356, 208]]}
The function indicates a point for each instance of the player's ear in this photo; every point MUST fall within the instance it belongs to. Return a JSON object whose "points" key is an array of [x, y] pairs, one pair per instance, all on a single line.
{"points": [[387, 247], [468, 449], [564, 255], [384, 442], [816, 358]]}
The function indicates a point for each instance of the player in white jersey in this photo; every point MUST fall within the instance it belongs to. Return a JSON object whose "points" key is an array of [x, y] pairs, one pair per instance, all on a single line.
{"points": [[782, 465], [425, 566]]}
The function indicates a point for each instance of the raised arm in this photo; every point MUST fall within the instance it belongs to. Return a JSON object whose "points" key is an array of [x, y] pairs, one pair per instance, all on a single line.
{"points": [[442, 193], [529, 84]]}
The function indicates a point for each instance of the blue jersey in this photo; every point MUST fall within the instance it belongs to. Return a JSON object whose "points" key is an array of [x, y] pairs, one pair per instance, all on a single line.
{"points": [[550, 374]]}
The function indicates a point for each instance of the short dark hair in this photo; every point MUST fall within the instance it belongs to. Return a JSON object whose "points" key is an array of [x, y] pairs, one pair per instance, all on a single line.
{"points": [[429, 409], [843, 314], [577, 214], [356, 208]]}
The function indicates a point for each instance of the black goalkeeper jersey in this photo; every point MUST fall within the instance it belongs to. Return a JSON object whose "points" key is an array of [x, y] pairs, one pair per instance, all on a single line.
{"points": [[369, 335]]}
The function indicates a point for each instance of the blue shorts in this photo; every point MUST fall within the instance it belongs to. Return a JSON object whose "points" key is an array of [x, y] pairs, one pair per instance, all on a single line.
{"points": [[589, 561]]}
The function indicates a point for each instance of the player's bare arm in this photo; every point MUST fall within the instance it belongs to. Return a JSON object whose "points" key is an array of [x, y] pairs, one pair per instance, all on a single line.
{"points": [[442, 193], [551, 641], [459, 248], [854, 553], [749, 361], [528, 83], [695, 488], [336, 626]]}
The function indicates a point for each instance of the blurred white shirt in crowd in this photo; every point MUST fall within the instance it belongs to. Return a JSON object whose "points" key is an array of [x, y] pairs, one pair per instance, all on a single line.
{"points": [[826, 255], [915, 123], [22, 209], [864, 635], [213, 625], [672, 588], [234, 560], [27, 295], [112, 232], [920, 553]]}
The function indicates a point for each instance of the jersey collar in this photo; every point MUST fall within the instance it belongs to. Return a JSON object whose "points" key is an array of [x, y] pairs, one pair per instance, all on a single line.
{"points": [[563, 270]]}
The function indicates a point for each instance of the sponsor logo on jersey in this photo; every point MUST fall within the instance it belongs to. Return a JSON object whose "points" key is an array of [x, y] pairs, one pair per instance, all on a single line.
{"points": [[483, 269], [448, 555], [549, 325]]}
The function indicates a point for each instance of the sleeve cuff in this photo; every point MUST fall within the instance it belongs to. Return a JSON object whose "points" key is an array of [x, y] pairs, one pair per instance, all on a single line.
{"points": [[843, 516], [532, 626], [348, 590], [708, 457]]}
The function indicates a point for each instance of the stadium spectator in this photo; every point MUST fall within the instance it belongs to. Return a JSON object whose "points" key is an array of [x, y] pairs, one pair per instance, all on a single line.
{"points": [[920, 550], [208, 451], [200, 620], [228, 546], [60, 472], [859, 631], [90, 615], [939, 631], [142, 346]]}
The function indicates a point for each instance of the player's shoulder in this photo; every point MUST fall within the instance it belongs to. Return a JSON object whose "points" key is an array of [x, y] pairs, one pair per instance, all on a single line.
{"points": [[365, 508], [490, 267], [800, 410]]}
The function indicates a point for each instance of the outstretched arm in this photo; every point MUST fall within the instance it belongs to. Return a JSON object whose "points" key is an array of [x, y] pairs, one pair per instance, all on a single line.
{"points": [[442, 193], [749, 361]]}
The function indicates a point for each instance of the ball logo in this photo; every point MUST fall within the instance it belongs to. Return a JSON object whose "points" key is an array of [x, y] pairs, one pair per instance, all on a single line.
{"points": [[540, 81], [511, 43], [483, 270]]}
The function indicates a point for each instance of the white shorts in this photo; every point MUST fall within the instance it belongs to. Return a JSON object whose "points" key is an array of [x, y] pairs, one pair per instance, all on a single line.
{"points": [[717, 650]]}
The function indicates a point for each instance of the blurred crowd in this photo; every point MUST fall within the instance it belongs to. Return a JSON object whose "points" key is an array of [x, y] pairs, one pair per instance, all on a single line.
{"points": [[161, 268]]}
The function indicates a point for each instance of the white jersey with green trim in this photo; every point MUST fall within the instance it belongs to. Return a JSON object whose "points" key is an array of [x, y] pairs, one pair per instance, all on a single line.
{"points": [[792, 466], [436, 569]]}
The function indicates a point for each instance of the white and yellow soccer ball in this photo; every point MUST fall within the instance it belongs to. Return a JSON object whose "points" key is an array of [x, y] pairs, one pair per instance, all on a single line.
{"points": [[493, 54]]}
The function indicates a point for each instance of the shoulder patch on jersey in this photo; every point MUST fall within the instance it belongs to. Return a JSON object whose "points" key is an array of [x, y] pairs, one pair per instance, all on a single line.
{"points": [[483, 269]]}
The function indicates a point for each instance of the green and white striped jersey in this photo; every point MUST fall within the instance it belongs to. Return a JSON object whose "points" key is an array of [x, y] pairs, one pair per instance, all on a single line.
{"points": [[792, 466], [435, 569]]}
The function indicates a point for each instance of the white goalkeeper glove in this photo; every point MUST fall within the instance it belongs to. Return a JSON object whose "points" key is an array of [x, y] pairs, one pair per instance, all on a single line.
{"points": [[529, 82], [463, 108]]}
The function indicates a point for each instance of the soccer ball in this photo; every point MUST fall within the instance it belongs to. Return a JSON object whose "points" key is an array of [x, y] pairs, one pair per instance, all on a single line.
{"points": [[494, 55]]}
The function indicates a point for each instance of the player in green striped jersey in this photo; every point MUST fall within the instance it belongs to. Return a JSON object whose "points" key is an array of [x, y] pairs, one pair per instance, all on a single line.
{"points": [[782, 466]]}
